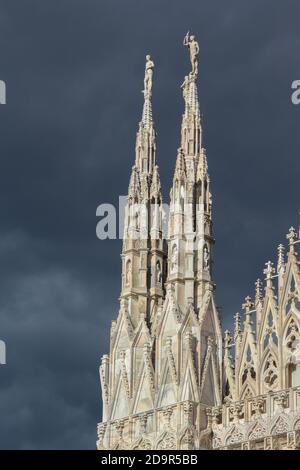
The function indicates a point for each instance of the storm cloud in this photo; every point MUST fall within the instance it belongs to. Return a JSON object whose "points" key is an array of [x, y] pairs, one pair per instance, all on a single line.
{"points": [[74, 74]]}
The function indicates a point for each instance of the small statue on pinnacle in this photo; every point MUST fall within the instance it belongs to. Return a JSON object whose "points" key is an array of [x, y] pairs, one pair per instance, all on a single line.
{"points": [[184, 87], [149, 67], [192, 44]]}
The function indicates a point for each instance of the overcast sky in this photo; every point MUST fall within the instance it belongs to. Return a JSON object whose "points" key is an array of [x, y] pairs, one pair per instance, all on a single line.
{"points": [[74, 73]]}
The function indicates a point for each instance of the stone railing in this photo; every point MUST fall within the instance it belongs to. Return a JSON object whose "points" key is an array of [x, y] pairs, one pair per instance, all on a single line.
{"points": [[272, 414], [169, 427]]}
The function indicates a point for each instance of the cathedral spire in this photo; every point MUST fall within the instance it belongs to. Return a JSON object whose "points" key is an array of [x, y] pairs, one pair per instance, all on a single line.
{"points": [[147, 108], [143, 254], [191, 122], [190, 224]]}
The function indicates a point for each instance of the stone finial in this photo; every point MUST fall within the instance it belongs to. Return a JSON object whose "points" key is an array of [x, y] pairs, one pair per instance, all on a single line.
{"points": [[248, 304], [248, 307], [258, 292], [155, 189], [180, 170], [134, 184], [105, 360], [237, 325], [280, 263], [292, 237], [202, 168], [227, 339], [269, 271]]}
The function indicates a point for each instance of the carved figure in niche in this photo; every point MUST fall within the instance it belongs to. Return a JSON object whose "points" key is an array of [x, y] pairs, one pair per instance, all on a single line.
{"points": [[174, 261], [158, 273], [206, 258], [128, 273]]}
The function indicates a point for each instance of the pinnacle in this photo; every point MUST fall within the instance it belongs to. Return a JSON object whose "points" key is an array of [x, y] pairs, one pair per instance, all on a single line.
{"points": [[180, 164], [147, 113], [190, 95], [193, 102]]}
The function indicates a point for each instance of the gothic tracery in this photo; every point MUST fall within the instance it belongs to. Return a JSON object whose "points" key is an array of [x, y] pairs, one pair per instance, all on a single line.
{"points": [[165, 383]]}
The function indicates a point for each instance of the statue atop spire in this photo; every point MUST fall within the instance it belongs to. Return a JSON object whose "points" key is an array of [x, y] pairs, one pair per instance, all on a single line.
{"points": [[189, 90], [192, 44], [149, 67]]}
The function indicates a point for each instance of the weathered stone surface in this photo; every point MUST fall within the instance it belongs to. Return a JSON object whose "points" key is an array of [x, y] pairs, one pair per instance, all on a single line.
{"points": [[168, 382]]}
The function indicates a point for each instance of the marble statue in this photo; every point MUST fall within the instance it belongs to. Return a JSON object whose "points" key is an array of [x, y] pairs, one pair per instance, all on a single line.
{"points": [[149, 67], [206, 258], [192, 44]]}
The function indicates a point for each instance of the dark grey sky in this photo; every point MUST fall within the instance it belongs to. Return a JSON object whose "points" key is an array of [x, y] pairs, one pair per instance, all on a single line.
{"points": [[74, 73]]}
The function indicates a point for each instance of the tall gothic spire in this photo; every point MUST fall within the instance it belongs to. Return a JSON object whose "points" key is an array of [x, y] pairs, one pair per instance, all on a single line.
{"points": [[143, 248], [191, 132], [190, 225]]}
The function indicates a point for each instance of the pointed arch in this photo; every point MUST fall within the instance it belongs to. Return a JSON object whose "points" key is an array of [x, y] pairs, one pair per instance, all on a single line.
{"points": [[269, 372], [280, 425], [166, 441], [246, 367], [234, 436], [268, 330], [142, 444], [247, 373], [291, 284], [296, 423], [187, 439], [247, 391], [257, 430]]}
